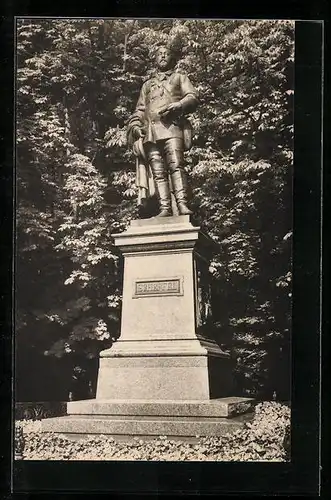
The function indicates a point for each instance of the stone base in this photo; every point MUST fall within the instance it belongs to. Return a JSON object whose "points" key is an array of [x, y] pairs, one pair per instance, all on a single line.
{"points": [[162, 352], [174, 419], [163, 377]]}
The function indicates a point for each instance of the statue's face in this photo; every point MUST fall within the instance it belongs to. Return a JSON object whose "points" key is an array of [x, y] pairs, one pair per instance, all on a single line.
{"points": [[163, 58]]}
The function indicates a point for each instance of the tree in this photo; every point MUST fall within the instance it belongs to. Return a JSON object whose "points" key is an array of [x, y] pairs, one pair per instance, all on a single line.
{"points": [[243, 186], [77, 84]]}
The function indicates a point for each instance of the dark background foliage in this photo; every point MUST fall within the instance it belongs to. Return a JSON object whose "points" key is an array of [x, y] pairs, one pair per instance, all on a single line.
{"points": [[77, 83]]}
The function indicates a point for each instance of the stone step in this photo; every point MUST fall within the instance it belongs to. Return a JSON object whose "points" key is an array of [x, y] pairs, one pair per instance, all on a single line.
{"points": [[214, 408], [177, 427]]}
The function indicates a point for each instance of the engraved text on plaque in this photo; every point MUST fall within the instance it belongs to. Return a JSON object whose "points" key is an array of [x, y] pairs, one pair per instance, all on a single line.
{"points": [[154, 287]]}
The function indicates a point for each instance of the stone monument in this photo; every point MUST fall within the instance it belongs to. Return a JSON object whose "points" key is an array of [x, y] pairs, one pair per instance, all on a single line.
{"points": [[165, 375]]}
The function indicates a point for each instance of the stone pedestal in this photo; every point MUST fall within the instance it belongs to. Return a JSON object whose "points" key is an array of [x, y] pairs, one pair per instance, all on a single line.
{"points": [[160, 353], [166, 374]]}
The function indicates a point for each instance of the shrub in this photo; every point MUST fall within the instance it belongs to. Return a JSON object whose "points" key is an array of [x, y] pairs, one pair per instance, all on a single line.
{"points": [[263, 439]]}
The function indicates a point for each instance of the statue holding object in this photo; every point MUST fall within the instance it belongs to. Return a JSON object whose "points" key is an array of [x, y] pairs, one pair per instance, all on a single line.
{"points": [[159, 133]]}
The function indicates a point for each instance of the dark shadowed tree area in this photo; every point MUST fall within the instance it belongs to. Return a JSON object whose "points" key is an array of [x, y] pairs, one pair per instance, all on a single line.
{"points": [[77, 84]]}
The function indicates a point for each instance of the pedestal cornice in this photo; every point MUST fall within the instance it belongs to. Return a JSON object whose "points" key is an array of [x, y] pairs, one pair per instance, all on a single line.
{"points": [[160, 234]]}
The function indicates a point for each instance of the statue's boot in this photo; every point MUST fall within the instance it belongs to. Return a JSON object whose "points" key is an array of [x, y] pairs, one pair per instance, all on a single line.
{"points": [[162, 187], [161, 180], [179, 184]]}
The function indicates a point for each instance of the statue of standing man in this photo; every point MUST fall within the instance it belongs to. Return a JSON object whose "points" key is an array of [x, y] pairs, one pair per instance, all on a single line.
{"points": [[160, 132]]}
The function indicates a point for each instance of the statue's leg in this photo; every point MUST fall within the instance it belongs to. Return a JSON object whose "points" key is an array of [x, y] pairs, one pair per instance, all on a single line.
{"points": [[161, 179], [174, 157]]}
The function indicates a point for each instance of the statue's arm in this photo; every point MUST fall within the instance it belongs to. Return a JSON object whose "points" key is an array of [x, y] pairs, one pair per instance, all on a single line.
{"points": [[141, 103], [136, 121], [190, 99]]}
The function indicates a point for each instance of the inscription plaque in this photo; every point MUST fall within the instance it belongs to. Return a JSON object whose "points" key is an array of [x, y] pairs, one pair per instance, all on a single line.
{"points": [[154, 287]]}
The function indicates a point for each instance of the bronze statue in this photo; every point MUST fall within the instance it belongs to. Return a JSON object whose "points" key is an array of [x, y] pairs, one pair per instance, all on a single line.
{"points": [[159, 132]]}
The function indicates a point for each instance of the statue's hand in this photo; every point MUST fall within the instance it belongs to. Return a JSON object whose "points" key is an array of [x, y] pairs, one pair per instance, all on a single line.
{"points": [[137, 133], [173, 108]]}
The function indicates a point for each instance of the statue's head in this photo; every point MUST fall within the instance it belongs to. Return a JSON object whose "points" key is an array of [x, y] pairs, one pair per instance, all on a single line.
{"points": [[165, 58]]}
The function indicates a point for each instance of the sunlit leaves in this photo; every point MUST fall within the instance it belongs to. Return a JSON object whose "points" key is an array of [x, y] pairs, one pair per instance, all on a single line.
{"points": [[77, 83], [266, 439]]}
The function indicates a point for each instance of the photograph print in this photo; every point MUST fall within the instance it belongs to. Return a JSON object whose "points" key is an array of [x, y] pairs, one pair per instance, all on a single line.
{"points": [[153, 295]]}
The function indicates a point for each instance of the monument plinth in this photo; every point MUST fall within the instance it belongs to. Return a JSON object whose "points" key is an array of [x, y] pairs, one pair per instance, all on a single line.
{"points": [[160, 353], [165, 375]]}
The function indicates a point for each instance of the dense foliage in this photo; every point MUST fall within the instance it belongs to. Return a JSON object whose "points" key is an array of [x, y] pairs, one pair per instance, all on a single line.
{"points": [[77, 83], [263, 439]]}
